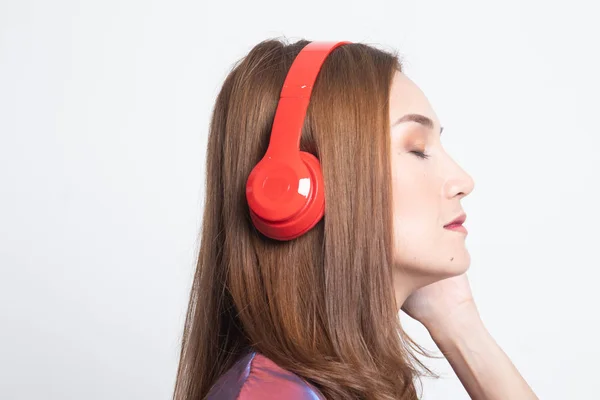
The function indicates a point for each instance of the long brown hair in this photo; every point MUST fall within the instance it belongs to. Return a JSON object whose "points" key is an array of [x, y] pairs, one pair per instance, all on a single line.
{"points": [[323, 305]]}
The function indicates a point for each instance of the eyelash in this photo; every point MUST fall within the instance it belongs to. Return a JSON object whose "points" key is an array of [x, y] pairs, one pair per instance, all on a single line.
{"points": [[420, 154]]}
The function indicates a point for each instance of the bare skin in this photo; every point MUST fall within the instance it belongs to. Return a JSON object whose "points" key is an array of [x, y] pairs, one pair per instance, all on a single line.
{"points": [[431, 261]]}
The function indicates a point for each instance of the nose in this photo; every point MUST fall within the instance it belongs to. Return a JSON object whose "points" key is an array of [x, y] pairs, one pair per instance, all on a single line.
{"points": [[459, 183]]}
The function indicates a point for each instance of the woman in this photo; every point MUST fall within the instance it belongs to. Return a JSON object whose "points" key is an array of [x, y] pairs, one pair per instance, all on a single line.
{"points": [[316, 316]]}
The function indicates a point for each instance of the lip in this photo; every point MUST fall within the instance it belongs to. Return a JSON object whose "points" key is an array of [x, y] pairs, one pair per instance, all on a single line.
{"points": [[458, 220], [457, 228], [457, 224]]}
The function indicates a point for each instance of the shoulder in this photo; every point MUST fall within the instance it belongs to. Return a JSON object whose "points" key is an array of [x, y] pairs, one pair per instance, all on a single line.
{"points": [[255, 376]]}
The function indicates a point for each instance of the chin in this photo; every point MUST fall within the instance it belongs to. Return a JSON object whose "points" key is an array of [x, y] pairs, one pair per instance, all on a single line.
{"points": [[451, 260], [458, 266], [434, 269]]}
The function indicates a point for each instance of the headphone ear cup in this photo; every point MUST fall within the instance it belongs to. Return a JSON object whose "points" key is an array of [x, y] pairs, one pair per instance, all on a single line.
{"points": [[272, 189], [309, 211]]}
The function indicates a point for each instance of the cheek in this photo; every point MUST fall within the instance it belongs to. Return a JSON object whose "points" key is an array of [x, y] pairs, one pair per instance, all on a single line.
{"points": [[416, 200], [416, 206]]}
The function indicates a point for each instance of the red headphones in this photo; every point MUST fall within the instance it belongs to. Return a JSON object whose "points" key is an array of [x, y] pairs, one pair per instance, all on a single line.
{"points": [[285, 189]]}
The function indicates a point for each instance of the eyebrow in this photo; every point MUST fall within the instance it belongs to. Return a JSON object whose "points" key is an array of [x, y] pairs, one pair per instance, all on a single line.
{"points": [[421, 119]]}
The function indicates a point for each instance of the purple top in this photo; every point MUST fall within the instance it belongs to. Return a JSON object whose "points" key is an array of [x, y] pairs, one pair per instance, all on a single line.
{"points": [[255, 376]]}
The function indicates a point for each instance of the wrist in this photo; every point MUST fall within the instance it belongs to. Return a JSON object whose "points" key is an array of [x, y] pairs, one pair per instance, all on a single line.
{"points": [[457, 324], [483, 368]]}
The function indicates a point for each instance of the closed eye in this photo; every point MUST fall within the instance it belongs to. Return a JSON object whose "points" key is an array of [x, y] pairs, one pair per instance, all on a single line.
{"points": [[420, 154]]}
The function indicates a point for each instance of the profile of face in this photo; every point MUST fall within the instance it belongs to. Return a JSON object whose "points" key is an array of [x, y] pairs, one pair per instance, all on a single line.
{"points": [[427, 187]]}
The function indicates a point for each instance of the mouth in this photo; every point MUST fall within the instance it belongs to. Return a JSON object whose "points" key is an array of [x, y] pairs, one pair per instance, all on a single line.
{"points": [[457, 224]]}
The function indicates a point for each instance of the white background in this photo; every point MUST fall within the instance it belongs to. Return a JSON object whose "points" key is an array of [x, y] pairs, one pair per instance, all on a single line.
{"points": [[104, 109]]}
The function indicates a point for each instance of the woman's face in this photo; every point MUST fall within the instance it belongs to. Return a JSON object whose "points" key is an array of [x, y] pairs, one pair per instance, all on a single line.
{"points": [[426, 191]]}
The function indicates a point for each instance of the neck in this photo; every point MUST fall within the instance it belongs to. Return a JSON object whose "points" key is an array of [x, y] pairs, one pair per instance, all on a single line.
{"points": [[406, 282]]}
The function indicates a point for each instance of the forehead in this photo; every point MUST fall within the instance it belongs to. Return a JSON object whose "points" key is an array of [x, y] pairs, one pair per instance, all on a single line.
{"points": [[407, 98]]}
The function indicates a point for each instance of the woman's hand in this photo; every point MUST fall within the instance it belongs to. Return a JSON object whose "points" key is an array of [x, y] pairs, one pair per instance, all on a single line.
{"points": [[448, 311], [436, 304]]}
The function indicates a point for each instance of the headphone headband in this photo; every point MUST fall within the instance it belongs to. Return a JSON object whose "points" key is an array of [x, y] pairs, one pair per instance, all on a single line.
{"points": [[295, 96]]}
